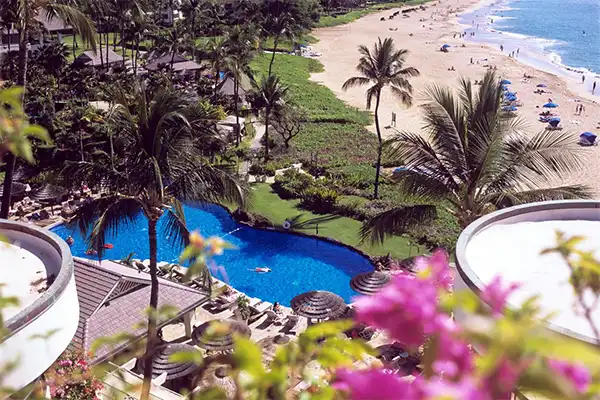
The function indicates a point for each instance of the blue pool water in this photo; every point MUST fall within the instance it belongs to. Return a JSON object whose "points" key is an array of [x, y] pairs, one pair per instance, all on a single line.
{"points": [[299, 263]]}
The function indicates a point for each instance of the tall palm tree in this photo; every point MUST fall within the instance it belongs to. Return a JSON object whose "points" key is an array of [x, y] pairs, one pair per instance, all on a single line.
{"points": [[217, 50], [383, 66], [160, 165], [271, 94], [24, 13], [240, 51], [474, 159]]}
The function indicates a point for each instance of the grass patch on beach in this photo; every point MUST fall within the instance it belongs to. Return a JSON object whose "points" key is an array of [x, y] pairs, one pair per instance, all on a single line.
{"points": [[267, 203], [327, 21]]}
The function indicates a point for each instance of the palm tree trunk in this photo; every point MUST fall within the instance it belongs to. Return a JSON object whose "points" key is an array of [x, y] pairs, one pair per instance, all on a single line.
{"points": [[10, 160], [275, 41], [100, 48], [236, 84], [217, 72], [172, 61], [107, 48], [122, 43], [152, 331], [74, 45], [379, 146], [267, 114]]}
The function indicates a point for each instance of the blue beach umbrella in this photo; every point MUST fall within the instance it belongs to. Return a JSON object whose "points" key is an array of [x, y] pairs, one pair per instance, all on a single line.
{"points": [[541, 85], [505, 82], [510, 98], [509, 108], [510, 94], [505, 88], [445, 46], [550, 105], [554, 119]]}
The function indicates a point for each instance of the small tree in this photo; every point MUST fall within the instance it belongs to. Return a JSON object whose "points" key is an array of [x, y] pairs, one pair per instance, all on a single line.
{"points": [[270, 96], [288, 123]]}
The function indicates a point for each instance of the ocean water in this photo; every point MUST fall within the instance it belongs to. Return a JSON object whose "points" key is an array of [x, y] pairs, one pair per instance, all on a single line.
{"points": [[299, 264], [559, 36]]}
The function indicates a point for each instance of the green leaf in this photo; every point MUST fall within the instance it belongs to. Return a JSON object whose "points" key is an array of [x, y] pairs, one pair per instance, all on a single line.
{"points": [[194, 357], [212, 393], [326, 329], [248, 357]]}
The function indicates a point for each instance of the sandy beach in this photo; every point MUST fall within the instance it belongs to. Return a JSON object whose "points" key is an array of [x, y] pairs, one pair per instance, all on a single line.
{"points": [[423, 33]]}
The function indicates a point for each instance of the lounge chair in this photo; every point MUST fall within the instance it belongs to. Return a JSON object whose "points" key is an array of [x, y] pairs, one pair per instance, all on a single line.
{"points": [[292, 321], [219, 305], [271, 317]]}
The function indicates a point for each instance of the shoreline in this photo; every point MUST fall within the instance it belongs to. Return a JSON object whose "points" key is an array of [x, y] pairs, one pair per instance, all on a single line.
{"points": [[422, 34], [538, 58]]}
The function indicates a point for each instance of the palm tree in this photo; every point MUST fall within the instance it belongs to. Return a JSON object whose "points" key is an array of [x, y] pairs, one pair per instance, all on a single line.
{"points": [[160, 165], [474, 159], [240, 51], [381, 67], [217, 50], [271, 94], [24, 13]]}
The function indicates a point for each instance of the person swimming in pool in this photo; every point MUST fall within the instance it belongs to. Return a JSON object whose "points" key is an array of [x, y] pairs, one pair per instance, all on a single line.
{"points": [[261, 270], [70, 240]]}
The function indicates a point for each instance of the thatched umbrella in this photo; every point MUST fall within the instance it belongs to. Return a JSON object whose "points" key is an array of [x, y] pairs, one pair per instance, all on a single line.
{"points": [[369, 283], [217, 335], [49, 193], [218, 375], [318, 304], [175, 370], [269, 346]]}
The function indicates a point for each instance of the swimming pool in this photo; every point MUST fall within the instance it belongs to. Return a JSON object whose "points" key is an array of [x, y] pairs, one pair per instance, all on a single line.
{"points": [[299, 264]]}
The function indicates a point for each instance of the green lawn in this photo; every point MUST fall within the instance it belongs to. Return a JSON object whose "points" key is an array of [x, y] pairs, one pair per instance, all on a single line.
{"points": [[330, 20], [267, 203], [81, 46]]}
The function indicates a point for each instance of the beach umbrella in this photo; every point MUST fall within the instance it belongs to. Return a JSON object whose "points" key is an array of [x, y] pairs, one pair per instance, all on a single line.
{"points": [[509, 108], [587, 139], [318, 304], [445, 46], [554, 119], [510, 94], [217, 335], [554, 122], [541, 85], [550, 105], [505, 88], [219, 375], [161, 362], [369, 283], [270, 345], [505, 82]]}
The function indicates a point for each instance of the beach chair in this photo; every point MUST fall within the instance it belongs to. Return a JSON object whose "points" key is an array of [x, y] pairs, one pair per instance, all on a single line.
{"points": [[290, 323]]}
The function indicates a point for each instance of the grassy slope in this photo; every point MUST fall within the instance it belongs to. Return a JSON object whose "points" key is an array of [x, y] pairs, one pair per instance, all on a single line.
{"points": [[329, 21], [264, 202], [336, 131]]}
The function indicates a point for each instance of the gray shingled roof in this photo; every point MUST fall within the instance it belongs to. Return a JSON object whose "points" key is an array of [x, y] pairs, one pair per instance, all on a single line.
{"points": [[113, 298], [93, 60]]}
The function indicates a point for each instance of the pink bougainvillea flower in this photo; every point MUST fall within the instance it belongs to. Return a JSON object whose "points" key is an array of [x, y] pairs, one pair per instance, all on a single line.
{"points": [[577, 374], [465, 389], [406, 308], [454, 358], [496, 296], [502, 381], [375, 384], [436, 268]]}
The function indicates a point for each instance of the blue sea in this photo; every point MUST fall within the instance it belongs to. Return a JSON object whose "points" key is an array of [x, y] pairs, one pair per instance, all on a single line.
{"points": [[559, 36]]}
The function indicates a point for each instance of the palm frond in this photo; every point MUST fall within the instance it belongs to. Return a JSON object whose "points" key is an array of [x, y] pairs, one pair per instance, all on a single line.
{"points": [[355, 81], [568, 192], [75, 18], [396, 221], [175, 226], [298, 222]]}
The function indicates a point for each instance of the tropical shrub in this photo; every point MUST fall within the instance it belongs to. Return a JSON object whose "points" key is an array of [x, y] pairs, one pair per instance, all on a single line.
{"points": [[319, 199], [71, 378], [256, 169], [291, 184], [269, 169]]}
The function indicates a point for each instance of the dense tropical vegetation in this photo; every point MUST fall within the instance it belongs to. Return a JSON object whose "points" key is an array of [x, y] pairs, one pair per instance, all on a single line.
{"points": [[146, 140]]}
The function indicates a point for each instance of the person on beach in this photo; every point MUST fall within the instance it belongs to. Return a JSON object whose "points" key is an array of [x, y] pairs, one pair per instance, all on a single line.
{"points": [[518, 52], [501, 48], [582, 78], [594, 87]]}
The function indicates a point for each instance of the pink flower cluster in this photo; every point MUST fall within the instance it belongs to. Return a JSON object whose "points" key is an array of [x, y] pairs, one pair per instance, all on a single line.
{"points": [[408, 310], [71, 378]]}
